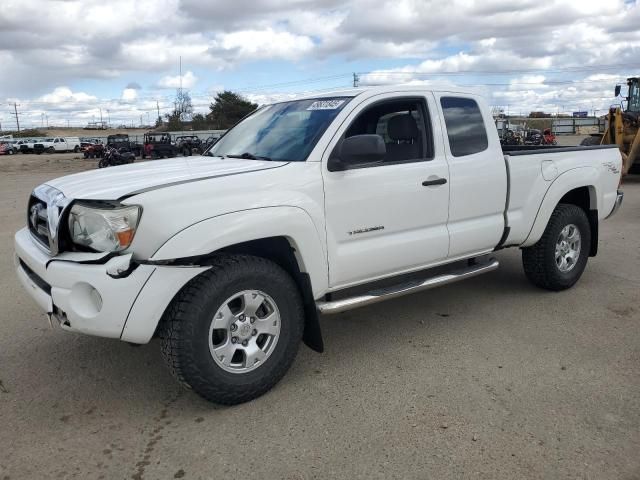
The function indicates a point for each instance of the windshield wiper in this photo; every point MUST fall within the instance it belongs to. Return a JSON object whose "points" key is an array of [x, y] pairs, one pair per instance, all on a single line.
{"points": [[248, 156]]}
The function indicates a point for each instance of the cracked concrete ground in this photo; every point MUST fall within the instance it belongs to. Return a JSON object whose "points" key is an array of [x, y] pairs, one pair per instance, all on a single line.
{"points": [[490, 379]]}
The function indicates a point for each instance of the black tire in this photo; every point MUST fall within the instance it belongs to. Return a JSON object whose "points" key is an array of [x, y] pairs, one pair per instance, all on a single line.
{"points": [[539, 260], [184, 329], [102, 163], [51, 150], [76, 149]]}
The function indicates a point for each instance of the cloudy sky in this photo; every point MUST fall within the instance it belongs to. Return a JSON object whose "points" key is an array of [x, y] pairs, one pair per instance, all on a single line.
{"points": [[67, 60]]}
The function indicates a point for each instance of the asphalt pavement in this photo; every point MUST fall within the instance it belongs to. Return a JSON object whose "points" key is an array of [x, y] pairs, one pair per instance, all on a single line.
{"points": [[491, 378]]}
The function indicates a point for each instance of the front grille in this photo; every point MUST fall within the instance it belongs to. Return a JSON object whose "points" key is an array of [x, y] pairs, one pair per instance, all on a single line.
{"points": [[45, 212]]}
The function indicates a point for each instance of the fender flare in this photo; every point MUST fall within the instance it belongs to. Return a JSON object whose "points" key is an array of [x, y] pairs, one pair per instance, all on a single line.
{"points": [[563, 184], [216, 233]]}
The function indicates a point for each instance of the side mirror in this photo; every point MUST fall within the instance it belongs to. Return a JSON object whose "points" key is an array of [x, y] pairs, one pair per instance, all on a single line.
{"points": [[359, 149], [617, 91]]}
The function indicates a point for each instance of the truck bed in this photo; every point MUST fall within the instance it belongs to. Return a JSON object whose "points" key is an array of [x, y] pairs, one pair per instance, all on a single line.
{"points": [[534, 172], [514, 150]]}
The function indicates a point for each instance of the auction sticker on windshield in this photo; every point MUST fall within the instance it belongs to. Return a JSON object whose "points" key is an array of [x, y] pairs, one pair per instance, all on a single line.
{"points": [[325, 104]]}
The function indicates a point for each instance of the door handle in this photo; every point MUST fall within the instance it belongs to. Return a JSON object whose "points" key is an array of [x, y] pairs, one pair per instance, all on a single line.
{"points": [[435, 181]]}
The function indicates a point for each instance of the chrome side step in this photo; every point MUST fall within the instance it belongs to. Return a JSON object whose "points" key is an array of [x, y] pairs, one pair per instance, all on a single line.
{"points": [[414, 286]]}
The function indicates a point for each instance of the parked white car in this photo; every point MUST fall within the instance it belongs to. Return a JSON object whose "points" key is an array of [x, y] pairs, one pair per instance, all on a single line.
{"points": [[57, 144], [320, 204], [25, 145]]}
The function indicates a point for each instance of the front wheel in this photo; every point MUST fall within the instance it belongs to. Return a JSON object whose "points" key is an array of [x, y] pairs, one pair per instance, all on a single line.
{"points": [[233, 332], [557, 260]]}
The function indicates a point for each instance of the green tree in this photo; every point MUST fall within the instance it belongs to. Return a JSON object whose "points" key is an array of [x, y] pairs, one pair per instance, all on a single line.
{"points": [[199, 122], [228, 108], [173, 121]]}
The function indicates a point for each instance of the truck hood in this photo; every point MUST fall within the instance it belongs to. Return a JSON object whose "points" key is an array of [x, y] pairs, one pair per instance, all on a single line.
{"points": [[114, 183]]}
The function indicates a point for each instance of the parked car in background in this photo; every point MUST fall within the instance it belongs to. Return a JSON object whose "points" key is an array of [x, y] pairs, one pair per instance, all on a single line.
{"points": [[533, 137], [548, 138], [159, 145], [92, 150], [189, 144], [57, 144], [122, 142], [511, 138], [6, 148], [25, 145], [209, 142], [319, 204]]}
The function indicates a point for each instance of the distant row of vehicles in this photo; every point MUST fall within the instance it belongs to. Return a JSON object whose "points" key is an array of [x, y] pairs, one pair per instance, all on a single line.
{"points": [[154, 145], [532, 136], [40, 145]]}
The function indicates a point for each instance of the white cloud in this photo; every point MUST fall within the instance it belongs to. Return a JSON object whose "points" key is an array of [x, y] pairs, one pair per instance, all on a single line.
{"points": [[188, 81], [129, 94], [64, 95], [72, 41], [260, 44]]}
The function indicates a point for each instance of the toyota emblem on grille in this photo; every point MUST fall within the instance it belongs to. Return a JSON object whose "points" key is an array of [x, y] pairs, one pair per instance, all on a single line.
{"points": [[34, 212]]}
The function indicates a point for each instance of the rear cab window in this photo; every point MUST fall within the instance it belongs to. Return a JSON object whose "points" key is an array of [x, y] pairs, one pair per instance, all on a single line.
{"points": [[466, 131]]}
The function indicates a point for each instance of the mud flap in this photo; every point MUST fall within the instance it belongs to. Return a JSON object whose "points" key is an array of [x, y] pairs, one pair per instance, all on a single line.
{"points": [[312, 336]]}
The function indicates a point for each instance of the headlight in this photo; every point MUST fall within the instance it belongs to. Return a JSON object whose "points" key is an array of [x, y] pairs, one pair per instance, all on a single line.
{"points": [[103, 229]]}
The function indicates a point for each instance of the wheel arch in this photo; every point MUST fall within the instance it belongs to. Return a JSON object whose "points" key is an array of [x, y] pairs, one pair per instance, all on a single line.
{"points": [[577, 187], [284, 235], [283, 252]]}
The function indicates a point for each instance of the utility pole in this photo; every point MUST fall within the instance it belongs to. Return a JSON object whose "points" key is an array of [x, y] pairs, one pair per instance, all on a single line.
{"points": [[100, 116], [108, 118], [15, 109], [158, 107], [356, 79]]}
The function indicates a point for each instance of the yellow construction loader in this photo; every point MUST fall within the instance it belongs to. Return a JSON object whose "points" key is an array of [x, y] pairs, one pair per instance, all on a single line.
{"points": [[623, 127]]}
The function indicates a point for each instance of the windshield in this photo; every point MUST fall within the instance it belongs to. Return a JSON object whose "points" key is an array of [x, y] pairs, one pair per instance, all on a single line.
{"points": [[634, 97], [285, 131]]}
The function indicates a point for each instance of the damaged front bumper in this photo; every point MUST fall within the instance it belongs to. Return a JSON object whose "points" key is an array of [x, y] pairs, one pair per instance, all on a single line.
{"points": [[98, 294]]}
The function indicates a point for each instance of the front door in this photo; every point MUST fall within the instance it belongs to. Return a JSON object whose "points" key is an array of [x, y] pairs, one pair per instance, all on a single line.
{"points": [[388, 217]]}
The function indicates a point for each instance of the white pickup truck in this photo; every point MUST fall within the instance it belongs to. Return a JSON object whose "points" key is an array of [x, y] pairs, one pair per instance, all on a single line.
{"points": [[319, 204], [57, 144]]}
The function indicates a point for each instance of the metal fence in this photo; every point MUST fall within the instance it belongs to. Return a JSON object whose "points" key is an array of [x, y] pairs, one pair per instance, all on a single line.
{"points": [[578, 126]]}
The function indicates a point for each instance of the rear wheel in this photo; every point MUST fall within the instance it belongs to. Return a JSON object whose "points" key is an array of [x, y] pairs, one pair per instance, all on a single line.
{"points": [[233, 332], [557, 260]]}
